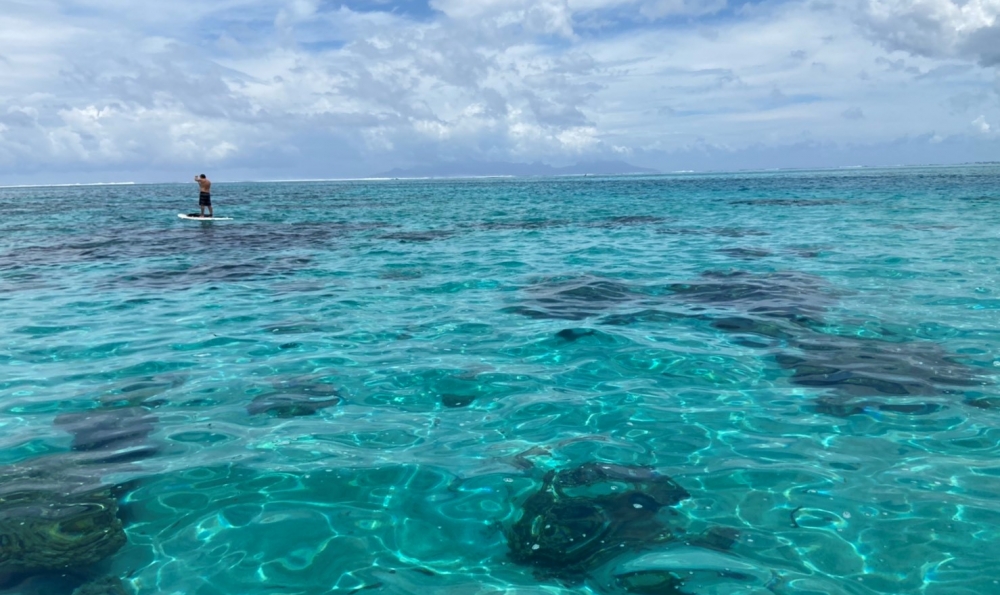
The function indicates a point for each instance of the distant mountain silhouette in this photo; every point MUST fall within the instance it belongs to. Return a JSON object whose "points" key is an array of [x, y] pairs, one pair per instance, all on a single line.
{"points": [[500, 168]]}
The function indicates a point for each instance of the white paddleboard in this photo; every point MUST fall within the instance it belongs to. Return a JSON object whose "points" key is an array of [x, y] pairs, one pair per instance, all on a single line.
{"points": [[197, 217]]}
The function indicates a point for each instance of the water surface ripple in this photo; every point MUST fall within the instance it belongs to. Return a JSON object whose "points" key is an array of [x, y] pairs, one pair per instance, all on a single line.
{"points": [[772, 383]]}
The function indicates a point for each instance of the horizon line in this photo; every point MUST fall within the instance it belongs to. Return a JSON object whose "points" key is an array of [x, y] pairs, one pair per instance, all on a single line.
{"points": [[512, 176], [65, 185]]}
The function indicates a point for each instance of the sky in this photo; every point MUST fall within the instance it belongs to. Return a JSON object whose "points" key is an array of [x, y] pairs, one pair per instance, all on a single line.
{"points": [[157, 91]]}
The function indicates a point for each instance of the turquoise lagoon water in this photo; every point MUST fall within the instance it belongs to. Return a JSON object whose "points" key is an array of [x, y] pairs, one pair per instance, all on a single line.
{"points": [[401, 386]]}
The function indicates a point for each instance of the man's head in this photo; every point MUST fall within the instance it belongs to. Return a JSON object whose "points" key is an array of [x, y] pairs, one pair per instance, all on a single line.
{"points": [[202, 176]]}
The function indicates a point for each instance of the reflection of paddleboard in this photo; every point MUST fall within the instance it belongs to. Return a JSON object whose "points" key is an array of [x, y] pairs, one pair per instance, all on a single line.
{"points": [[197, 217]]}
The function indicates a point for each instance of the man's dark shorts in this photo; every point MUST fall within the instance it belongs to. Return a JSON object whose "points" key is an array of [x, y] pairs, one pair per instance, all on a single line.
{"points": [[204, 199]]}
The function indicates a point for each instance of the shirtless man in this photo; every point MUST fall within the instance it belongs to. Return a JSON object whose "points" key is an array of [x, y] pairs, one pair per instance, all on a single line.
{"points": [[205, 194]]}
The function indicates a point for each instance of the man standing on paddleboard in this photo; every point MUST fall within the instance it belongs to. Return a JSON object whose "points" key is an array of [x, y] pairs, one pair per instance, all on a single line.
{"points": [[205, 196]]}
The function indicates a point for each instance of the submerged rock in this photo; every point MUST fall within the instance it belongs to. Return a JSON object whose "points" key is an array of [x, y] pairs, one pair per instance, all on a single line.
{"points": [[418, 236], [726, 232], [787, 309], [45, 531], [745, 253], [574, 334], [529, 225], [110, 585], [666, 570], [457, 401], [108, 429], [847, 408], [749, 326], [650, 583], [791, 202], [874, 368], [58, 519], [581, 517], [628, 221], [295, 398], [646, 317], [985, 402], [574, 299], [290, 405], [789, 295]]}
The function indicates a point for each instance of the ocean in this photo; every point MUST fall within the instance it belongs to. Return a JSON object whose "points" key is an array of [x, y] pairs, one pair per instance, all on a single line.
{"points": [[707, 384]]}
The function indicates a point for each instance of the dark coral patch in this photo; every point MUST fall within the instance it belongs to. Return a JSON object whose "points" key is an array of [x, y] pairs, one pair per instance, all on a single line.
{"points": [[790, 295], [528, 225], [573, 334], [861, 375], [457, 401], [110, 585], [745, 253], [650, 583], [574, 299], [791, 202], [865, 367], [108, 429], [847, 408], [418, 236], [46, 531], [290, 405], [628, 221], [581, 517]]}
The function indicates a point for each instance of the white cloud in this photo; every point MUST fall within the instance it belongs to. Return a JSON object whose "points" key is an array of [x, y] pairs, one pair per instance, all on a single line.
{"points": [[545, 17], [299, 88], [938, 28], [556, 17], [657, 9], [982, 125]]}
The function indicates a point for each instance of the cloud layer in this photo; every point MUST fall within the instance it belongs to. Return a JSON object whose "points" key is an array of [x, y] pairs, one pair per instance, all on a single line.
{"points": [[255, 89]]}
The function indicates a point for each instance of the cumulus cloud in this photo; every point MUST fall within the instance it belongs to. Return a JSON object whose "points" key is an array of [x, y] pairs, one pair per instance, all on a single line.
{"points": [[312, 89], [558, 16], [657, 9], [545, 17], [937, 28]]}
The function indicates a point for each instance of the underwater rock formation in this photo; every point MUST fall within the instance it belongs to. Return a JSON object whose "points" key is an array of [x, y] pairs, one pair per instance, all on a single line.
{"points": [[873, 368], [582, 517], [573, 334], [110, 585], [985, 402], [650, 583], [290, 405], [575, 299], [659, 572], [726, 232], [791, 202], [846, 407], [58, 519], [295, 398], [628, 221], [646, 316], [788, 295], [525, 225], [457, 401], [48, 531], [786, 310], [745, 253], [589, 336], [418, 236], [108, 429]]}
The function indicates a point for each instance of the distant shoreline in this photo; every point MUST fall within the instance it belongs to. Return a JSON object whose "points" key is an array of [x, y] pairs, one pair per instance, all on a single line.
{"points": [[69, 185], [839, 168]]}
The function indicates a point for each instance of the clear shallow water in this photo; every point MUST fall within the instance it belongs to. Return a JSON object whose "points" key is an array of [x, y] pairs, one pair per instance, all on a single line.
{"points": [[360, 386]]}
